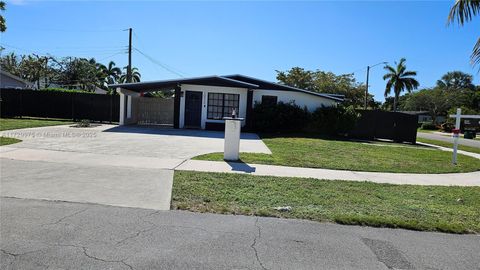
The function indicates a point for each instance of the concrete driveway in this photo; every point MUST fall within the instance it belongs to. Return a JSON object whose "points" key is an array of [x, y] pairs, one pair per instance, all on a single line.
{"points": [[123, 166]]}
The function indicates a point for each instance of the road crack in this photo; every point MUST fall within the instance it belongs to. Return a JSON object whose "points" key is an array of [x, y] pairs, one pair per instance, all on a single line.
{"points": [[65, 217], [253, 245], [90, 256]]}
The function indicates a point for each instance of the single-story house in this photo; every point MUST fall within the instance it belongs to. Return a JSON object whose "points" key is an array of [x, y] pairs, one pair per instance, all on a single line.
{"points": [[202, 102], [8, 80], [424, 116]]}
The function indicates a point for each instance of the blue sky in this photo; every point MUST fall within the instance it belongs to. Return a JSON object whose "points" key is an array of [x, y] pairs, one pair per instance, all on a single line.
{"points": [[251, 38]]}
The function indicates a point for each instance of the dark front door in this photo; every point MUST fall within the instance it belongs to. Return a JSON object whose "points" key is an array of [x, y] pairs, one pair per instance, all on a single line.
{"points": [[193, 109]]}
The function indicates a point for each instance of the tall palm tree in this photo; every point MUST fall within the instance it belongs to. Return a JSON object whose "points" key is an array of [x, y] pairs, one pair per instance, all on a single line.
{"points": [[136, 76], [463, 11], [3, 26], [399, 79], [113, 73]]}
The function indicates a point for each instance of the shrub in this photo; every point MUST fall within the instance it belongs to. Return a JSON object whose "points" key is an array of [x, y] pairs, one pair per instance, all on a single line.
{"points": [[64, 90], [333, 120], [283, 117], [447, 127], [289, 117], [429, 126]]}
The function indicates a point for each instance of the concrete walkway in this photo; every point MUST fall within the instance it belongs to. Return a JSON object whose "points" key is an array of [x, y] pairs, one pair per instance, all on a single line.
{"points": [[452, 179]]}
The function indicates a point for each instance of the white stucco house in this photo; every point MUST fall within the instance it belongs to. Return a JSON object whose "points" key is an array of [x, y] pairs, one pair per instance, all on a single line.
{"points": [[202, 102]]}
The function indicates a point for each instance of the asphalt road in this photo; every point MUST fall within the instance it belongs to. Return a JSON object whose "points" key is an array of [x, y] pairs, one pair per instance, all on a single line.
{"points": [[438, 137], [37, 234]]}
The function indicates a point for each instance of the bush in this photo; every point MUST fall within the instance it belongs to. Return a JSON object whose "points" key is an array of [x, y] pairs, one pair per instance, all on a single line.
{"points": [[283, 117], [64, 90], [289, 117], [429, 126], [447, 127], [333, 120]]}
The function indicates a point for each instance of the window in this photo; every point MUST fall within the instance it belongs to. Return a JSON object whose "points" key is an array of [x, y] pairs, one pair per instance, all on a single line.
{"points": [[269, 100], [221, 105]]}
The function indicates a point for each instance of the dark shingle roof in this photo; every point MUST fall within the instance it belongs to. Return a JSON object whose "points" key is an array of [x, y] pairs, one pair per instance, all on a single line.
{"points": [[237, 80]]}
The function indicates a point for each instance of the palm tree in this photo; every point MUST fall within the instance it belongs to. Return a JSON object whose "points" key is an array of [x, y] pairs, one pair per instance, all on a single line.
{"points": [[136, 76], [3, 26], [463, 11], [113, 73], [399, 79]]}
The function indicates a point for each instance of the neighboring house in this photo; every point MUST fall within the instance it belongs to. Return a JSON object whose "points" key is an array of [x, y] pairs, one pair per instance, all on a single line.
{"points": [[8, 80], [424, 116], [203, 102]]}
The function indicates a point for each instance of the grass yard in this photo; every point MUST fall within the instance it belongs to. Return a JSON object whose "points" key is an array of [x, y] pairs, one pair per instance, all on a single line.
{"points": [[7, 141], [357, 156], [17, 123], [450, 145], [428, 208]]}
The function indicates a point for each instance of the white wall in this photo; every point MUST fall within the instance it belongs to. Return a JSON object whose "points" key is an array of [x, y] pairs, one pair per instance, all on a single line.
{"points": [[205, 89], [312, 102]]}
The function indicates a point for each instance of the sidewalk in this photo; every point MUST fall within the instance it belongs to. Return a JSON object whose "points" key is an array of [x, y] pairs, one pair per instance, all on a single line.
{"points": [[453, 179]]}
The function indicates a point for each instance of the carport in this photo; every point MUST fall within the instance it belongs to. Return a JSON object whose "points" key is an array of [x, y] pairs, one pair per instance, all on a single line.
{"points": [[187, 108]]}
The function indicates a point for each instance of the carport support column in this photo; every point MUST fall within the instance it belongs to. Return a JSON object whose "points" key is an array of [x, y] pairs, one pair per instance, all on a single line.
{"points": [[121, 118], [125, 105], [176, 107]]}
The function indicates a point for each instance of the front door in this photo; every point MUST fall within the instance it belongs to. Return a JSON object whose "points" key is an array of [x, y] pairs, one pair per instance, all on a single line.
{"points": [[193, 109]]}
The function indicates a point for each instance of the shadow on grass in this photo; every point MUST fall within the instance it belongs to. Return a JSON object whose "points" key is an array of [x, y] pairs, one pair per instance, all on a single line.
{"points": [[335, 138], [240, 166]]}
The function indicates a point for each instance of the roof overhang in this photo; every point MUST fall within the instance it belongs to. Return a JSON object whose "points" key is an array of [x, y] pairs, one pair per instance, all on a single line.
{"points": [[171, 84], [238, 81]]}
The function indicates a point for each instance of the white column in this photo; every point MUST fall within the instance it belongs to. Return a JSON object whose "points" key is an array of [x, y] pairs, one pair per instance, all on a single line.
{"points": [[232, 138], [129, 107], [121, 118]]}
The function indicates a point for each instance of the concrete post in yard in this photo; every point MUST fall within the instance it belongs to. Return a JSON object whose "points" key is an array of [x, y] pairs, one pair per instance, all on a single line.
{"points": [[456, 134], [232, 138]]}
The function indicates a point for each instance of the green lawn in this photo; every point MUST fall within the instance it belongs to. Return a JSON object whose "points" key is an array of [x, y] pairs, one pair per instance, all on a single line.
{"points": [[357, 156], [430, 208], [16, 123], [7, 141], [450, 145]]}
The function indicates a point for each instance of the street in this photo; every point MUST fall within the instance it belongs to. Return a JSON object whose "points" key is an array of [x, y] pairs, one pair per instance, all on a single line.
{"points": [[37, 234], [438, 137]]}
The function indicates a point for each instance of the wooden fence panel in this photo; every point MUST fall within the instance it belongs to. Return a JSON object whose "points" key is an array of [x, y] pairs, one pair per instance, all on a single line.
{"points": [[65, 105]]}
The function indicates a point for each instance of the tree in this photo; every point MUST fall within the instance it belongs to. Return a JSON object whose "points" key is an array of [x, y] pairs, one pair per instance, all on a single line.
{"points": [[297, 77], [456, 80], [11, 64], [399, 79], [463, 11], [3, 26], [326, 82], [136, 76], [112, 73], [434, 101]]}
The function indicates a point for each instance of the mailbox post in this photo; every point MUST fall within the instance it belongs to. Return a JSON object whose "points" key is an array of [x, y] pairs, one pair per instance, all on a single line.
{"points": [[232, 138]]}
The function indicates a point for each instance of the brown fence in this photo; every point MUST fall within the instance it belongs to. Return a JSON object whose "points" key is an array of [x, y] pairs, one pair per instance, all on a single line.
{"points": [[55, 104], [399, 127]]}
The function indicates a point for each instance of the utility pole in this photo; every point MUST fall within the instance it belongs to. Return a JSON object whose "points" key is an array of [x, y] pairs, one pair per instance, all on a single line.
{"points": [[366, 87], [366, 90], [129, 67]]}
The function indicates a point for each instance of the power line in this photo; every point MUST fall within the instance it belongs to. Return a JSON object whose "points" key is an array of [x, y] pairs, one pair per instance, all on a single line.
{"points": [[153, 60], [163, 65], [110, 56]]}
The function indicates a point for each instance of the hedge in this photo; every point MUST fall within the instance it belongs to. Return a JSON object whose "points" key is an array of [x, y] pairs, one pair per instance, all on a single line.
{"points": [[289, 118]]}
